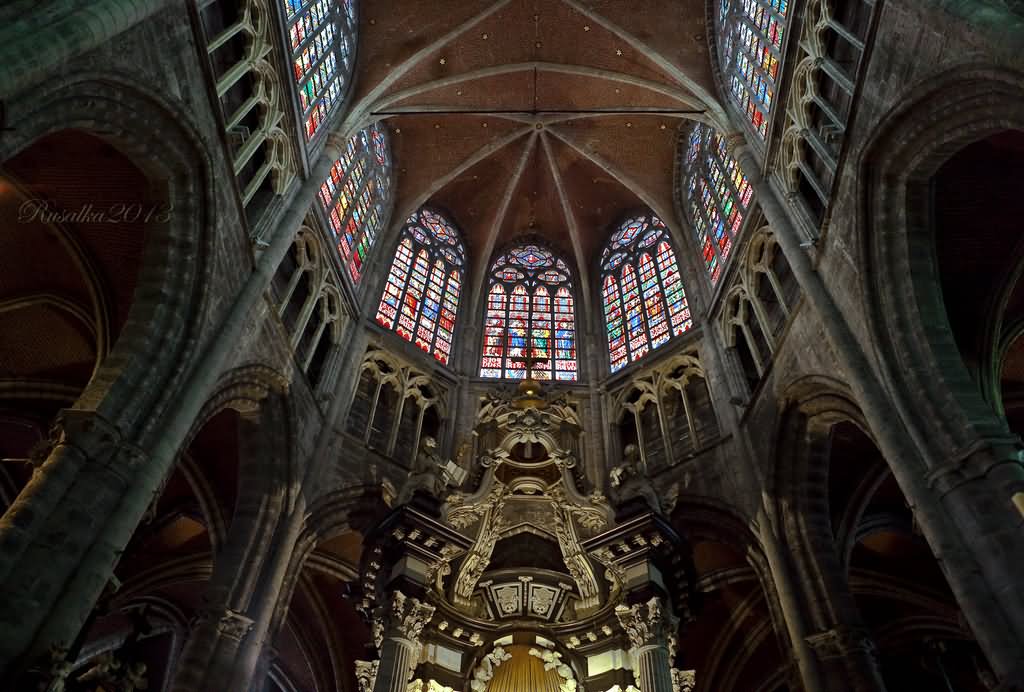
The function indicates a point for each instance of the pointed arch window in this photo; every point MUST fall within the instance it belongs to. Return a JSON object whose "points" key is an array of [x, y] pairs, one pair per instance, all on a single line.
{"points": [[531, 317], [322, 41], [750, 52], [718, 197], [421, 297], [644, 300], [355, 197]]}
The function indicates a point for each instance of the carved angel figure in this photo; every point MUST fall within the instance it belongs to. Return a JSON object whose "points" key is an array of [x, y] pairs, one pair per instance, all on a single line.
{"points": [[485, 671]]}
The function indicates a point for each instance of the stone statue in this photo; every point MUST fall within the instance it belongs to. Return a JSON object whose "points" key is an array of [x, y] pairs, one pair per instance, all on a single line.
{"points": [[629, 482], [427, 472]]}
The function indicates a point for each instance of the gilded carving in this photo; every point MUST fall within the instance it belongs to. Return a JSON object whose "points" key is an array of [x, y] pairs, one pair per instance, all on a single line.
{"points": [[646, 624], [366, 674], [402, 618]]}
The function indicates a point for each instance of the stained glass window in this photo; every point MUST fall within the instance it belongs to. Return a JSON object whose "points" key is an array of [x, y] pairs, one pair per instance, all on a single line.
{"points": [[321, 38], [642, 293], [421, 296], [355, 195], [750, 50], [531, 317], [718, 196]]}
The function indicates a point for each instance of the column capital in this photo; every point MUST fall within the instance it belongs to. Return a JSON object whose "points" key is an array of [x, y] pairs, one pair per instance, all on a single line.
{"points": [[735, 142], [234, 625], [366, 674], [227, 622], [840, 642], [96, 439], [87, 431], [401, 618], [647, 624], [978, 460], [684, 680]]}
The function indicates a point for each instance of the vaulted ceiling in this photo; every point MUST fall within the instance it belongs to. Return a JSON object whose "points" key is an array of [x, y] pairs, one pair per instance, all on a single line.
{"points": [[546, 117]]}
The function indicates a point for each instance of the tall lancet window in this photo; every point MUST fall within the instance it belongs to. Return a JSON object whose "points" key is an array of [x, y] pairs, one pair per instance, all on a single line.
{"points": [[355, 197], [531, 318], [750, 36], [421, 297], [717, 197], [322, 41], [644, 299]]}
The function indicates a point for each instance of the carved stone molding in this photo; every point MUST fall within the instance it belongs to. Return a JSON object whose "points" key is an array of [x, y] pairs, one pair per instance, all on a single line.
{"points": [[366, 675], [647, 624], [233, 625], [403, 618], [684, 680], [87, 431], [841, 642]]}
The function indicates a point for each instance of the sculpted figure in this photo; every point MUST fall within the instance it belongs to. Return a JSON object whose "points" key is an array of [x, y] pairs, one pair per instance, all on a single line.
{"points": [[629, 481], [427, 472]]}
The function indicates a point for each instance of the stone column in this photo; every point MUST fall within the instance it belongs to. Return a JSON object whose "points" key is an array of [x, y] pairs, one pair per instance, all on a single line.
{"points": [[980, 558], [64, 534], [66, 35], [650, 629], [847, 655], [217, 634], [213, 656], [399, 624]]}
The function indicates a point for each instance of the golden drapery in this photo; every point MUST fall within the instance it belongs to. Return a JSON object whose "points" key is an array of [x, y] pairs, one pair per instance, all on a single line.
{"points": [[523, 673]]}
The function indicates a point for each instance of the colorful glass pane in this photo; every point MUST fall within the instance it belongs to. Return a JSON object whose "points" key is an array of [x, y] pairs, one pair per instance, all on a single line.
{"points": [[424, 294], [320, 41], [718, 196], [750, 54], [535, 331], [643, 297], [353, 197]]}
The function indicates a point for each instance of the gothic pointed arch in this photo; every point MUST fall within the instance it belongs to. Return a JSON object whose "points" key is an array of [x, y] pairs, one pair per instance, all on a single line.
{"points": [[643, 296], [421, 296], [530, 314], [322, 46], [355, 197], [716, 197]]}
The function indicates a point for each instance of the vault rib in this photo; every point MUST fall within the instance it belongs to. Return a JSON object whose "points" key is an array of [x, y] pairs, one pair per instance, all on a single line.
{"points": [[355, 116], [633, 186], [386, 101], [479, 155], [480, 264], [715, 109], [582, 266]]}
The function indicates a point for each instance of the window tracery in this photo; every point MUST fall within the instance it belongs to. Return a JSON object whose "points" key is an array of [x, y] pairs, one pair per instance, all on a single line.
{"points": [[530, 317], [394, 407], [355, 197], [421, 296], [253, 99], [828, 64], [643, 296], [322, 39], [667, 413], [718, 197], [758, 306], [311, 308], [750, 52]]}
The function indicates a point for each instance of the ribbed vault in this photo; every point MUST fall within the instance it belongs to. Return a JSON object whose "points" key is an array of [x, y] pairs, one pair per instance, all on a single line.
{"points": [[550, 117]]}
